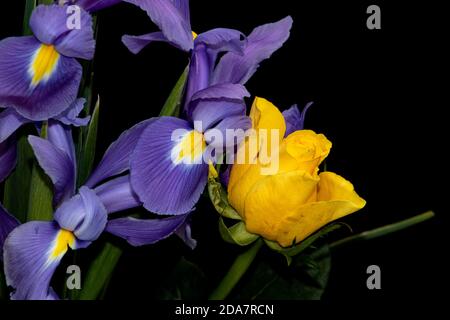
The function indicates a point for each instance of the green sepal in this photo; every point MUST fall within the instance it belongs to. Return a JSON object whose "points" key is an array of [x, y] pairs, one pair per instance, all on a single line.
{"points": [[290, 252], [219, 199], [172, 107], [236, 234]]}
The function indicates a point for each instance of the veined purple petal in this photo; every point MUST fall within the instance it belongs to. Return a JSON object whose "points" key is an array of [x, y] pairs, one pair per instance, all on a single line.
{"points": [[70, 116], [140, 232], [84, 214], [7, 224], [235, 124], [136, 43], [60, 136], [57, 165], [95, 5], [170, 19], [8, 157], [117, 158], [10, 121], [57, 25], [162, 185], [117, 195], [200, 70], [32, 252], [211, 105], [36, 91], [183, 7], [184, 232], [262, 43], [294, 119]]}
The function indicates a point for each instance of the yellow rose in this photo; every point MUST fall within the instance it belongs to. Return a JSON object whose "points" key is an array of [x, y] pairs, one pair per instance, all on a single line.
{"points": [[295, 201]]}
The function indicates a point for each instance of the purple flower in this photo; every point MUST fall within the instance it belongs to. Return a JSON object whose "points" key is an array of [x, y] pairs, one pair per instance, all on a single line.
{"points": [[294, 118], [32, 251], [242, 55], [39, 74], [214, 98]]}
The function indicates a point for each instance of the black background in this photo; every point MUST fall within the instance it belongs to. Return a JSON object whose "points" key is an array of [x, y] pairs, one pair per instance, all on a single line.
{"points": [[376, 98]]}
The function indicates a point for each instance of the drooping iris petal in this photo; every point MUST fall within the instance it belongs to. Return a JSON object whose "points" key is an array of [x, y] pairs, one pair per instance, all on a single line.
{"points": [[10, 121], [84, 214], [184, 232], [7, 224], [117, 195], [294, 118], [211, 105], [117, 158], [170, 19], [8, 157], [136, 43], [261, 43], [70, 116], [95, 5], [69, 32], [57, 165], [37, 81], [32, 252], [222, 39], [140, 232], [164, 184]]}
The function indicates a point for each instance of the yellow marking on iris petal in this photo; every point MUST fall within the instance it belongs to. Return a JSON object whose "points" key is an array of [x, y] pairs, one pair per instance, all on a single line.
{"points": [[194, 35], [191, 147], [44, 64], [63, 241]]}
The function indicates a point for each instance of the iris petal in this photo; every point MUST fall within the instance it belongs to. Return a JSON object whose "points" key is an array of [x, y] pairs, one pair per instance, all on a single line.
{"points": [[262, 42], [140, 232], [163, 186], [52, 94], [32, 252], [52, 26], [170, 19]]}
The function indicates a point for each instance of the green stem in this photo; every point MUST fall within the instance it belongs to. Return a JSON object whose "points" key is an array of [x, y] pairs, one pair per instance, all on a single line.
{"points": [[385, 230], [235, 273]]}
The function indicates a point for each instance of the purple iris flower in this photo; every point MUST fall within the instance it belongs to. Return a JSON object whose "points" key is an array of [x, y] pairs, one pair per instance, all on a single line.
{"points": [[214, 99], [32, 251], [39, 74]]}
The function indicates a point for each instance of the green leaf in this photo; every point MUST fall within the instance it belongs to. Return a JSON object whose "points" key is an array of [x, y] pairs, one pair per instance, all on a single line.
{"points": [[100, 272], [87, 158], [17, 186], [40, 205], [29, 7], [295, 250], [236, 234], [219, 199], [186, 282], [172, 106], [305, 279]]}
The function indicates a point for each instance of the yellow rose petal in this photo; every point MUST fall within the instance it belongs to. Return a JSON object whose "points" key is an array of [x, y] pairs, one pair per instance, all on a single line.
{"points": [[275, 198], [336, 199]]}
